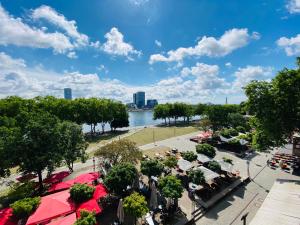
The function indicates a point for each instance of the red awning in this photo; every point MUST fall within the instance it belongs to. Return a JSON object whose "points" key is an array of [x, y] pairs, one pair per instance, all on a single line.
{"points": [[87, 178], [67, 220], [100, 191], [52, 206], [57, 177], [5, 217], [90, 205], [59, 186]]}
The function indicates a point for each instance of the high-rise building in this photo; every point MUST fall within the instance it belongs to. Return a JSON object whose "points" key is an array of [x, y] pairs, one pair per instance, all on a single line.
{"points": [[139, 99], [151, 103], [68, 93]]}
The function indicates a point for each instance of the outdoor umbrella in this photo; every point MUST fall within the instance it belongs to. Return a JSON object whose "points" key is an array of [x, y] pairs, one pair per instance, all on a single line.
{"points": [[153, 199], [67, 220], [225, 166], [87, 178], [120, 212], [184, 164], [100, 191], [6, 217], [90, 206], [203, 158], [57, 177]]}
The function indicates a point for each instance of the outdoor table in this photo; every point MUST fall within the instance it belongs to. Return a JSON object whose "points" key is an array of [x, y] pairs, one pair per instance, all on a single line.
{"points": [[195, 187]]}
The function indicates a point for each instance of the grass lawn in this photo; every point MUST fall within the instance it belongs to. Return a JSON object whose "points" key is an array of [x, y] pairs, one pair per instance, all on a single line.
{"points": [[147, 135]]}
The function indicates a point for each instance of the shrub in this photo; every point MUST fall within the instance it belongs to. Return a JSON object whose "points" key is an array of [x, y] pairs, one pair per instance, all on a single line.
{"points": [[189, 156], [170, 187], [86, 218], [228, 160], [81, 192], [171, 161], [240, 129], [196, 176], [214, 166], [225, 133], [135, 205], [234, 142], [206, 149], [24, 207], [233, 132]]}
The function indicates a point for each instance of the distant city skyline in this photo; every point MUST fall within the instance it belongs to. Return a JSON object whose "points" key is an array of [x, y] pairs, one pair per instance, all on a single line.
{"points": [[191, 51]]}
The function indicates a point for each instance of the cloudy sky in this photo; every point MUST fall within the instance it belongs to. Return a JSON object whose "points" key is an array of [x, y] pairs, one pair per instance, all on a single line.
{"points": [[191, 50]]}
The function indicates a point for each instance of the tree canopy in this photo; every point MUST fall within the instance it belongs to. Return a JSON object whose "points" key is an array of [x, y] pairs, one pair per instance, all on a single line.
{"points": [[171, 187], [135, 205], [120, 151], [119, 177], [152, 167], [276, 106]]}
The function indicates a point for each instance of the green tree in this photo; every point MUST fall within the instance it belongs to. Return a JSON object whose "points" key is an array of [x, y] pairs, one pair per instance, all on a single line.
{"points": [[86, 218], [236, 119], [171, 162], [205, 124], [81, 192], [24, 207], [152, 168], [119, 116], [120, 151], [196, 176], [276, 106], [170, 187], [71, 143], [135, 205], [206, 149], [120, 177], [37, 147], [189, 156]]}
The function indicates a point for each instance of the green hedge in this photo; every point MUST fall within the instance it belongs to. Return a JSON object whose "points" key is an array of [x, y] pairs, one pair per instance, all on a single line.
{"points": [[214, 166], [81, 192], [24, 207], [206, 149], [189, 156], [86, 218], [196, 176]]}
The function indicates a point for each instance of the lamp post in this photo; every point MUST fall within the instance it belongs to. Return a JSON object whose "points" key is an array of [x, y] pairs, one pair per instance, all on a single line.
{"points": [[244, 218], [94, 164]]}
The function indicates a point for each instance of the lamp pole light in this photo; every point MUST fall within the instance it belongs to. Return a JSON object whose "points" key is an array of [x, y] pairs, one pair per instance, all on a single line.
{"points": [[244, 218], [94, 164]]}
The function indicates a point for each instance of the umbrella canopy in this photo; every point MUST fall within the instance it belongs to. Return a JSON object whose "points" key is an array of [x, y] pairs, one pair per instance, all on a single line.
{"points": [[26, 177], [56, 177], [100, 191], [5, 217], [67, 220], [225, 166], [184, 164], [52, 206], [90, 206], [208, 174], [59, 186], [153, 198], [203, 158], [86, 178], [120, 211]]}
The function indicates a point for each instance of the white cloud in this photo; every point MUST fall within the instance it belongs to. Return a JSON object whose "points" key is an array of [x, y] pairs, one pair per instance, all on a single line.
{"points": [[59, 20], [247, 74], [72, 55], [290, 45], [293, 6], [138, 2], [228, 64], [102, 68], [158, 43], [209, 46], [201, 82], [115, 45], [13, 31]]}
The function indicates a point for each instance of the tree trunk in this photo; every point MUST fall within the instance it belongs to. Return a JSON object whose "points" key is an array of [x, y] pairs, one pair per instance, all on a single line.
{"points": [[91, 129], [165, 121], [103, 125], [40, 176]]}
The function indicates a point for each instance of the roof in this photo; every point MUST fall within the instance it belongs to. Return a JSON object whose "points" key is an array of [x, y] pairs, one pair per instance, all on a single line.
{"points": [[203, 158], [52, 206], [86, 178], [208, 174], [90, 205], [67, 220], [225, 166], [281, 206], [100, 191], [184, 164]]}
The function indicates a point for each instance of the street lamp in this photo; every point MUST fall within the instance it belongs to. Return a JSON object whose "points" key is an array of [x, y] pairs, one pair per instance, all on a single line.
{"points": [[244, 218]]}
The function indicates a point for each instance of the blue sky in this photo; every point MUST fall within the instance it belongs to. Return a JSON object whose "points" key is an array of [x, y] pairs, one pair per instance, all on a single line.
{"points": [[192, 50]]}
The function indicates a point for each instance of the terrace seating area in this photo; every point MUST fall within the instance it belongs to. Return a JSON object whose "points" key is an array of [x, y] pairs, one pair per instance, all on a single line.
{"points": [[284, 161]]}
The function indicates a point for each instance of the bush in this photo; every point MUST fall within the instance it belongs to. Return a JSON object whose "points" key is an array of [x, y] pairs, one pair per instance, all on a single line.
{"points": [[206, 149], [233, 132], [81, 192], [86, 218], [234, 142], [135, 205], [24, 207], [241, 129], [214, 166], [18, 192], [196, 176], [228, 160], [171, 162], [228, 133], [189, 156]]}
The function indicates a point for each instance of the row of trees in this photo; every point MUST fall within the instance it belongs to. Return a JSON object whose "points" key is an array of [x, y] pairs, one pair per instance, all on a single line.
{"points": [[91, 111]]}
